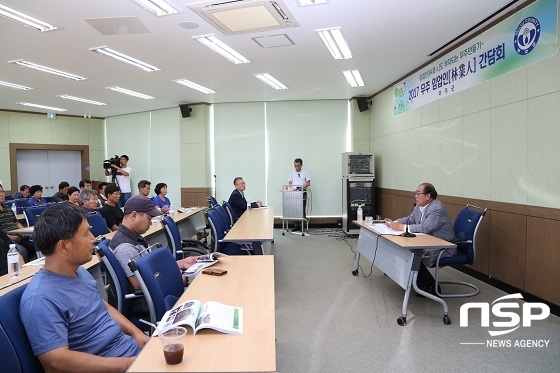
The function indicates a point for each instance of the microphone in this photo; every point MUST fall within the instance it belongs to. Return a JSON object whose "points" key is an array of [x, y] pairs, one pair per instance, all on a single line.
{"points": [[298, 175], [407, 233]]}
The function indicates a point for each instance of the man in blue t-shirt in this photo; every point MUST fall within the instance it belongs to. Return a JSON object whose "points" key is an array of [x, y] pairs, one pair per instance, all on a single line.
{"points": [[67, 322]]}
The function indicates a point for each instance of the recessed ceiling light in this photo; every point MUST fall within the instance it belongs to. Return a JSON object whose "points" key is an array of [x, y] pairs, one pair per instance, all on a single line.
{"points": [[106, 51], [15, 86], [41, 106], [221, 48], [82, 100], [336, 43], [270, 80], [131, 93], [24, 19], [156, 7], [46, 69], [198, 87], [353, 78]]}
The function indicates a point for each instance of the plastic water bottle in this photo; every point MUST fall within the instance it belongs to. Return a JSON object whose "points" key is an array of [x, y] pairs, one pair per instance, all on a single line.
{"points": [[14, 208], [13, 262], [171, 212], [360, 213]]}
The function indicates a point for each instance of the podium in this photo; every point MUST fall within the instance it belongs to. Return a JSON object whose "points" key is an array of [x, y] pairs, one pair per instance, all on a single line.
{"points": [[292, 207]]}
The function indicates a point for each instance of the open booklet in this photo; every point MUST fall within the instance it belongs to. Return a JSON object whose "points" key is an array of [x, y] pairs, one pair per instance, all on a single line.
{"points": [[202, 262], [210, 315]]}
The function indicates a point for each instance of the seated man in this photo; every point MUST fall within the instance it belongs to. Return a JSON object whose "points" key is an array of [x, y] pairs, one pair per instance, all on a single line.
{"points": [[128, 243], [111, 212], [88, 200], [144, 187], [23, 192], [101, 194], [84, 184], [237, 198], [9, 222], [62, 194], [428, 216], [67, 322]]}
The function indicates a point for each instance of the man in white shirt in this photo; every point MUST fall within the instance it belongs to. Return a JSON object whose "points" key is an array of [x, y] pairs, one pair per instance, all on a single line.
{"points": [[122, 176], [300, 178]]}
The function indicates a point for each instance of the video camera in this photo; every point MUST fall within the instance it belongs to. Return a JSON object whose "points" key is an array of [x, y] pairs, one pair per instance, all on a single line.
{"points": [[108, 162]]}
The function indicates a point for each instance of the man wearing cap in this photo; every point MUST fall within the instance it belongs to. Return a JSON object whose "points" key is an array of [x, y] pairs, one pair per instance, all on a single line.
{"points": [[128, 242]]}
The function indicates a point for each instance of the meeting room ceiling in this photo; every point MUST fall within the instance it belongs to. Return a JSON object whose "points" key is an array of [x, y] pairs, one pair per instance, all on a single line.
{"points": [[387, 38]]}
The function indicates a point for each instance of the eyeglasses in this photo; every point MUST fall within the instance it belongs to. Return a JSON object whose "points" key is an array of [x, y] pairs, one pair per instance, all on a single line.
{"points": [[417, 193]]}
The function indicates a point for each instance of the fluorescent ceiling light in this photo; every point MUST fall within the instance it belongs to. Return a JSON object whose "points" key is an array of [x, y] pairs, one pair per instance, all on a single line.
{"points": [[192, 85], [221, 48], [105, 51], [311, 2], [353, 78], [41, 106], [157, 7], [25, 20], [15, 86], [82, 100], [46, 69], [336, 43], [131, 93], [270, 80]]}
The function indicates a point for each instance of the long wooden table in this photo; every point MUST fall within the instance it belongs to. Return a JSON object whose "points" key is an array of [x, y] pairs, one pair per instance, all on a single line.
{"points": [[26, 274], [256, 224], [399, 258], [188, 223], [249, 284]]}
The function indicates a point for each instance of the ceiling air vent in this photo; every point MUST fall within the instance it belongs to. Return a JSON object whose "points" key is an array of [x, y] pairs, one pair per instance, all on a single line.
{"points": [[244, 16]]}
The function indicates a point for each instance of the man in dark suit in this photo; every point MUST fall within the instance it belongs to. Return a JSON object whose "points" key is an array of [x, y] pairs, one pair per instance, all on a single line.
{"points": [[429, 217], [237, 199]]}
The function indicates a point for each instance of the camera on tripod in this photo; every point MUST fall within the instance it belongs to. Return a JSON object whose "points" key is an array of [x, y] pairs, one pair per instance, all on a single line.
{"points": [[108, 162]]}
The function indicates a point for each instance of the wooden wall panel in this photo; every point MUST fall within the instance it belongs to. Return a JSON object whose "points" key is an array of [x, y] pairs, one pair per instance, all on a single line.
{"points": [[543, 258], [195, 196], [508, 238]]}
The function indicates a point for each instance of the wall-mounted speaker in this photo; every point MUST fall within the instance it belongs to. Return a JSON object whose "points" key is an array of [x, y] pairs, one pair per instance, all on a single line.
{"points": [[185, 110], [362, 103]]}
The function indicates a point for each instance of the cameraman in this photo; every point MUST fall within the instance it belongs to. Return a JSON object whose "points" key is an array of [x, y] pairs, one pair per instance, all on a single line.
{"points": [[122, 176]]}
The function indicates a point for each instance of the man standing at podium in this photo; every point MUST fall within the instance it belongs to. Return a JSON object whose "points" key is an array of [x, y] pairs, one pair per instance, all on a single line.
{"points": [[300, 179]]}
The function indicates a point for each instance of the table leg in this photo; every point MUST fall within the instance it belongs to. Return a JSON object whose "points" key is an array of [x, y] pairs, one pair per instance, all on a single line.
{"points": [[356, 264]]}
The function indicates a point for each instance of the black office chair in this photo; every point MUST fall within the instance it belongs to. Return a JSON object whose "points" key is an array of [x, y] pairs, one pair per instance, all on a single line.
{"points": [[466, 227], [181, 248], [16, 354], [232, 216]]}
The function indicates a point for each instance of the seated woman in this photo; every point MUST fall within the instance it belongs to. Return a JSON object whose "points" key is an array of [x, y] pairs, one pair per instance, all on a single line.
{"points": [[36, 199], [73, 196], [160, 200]]}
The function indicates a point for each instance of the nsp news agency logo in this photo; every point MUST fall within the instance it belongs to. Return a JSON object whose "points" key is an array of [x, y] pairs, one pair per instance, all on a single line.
{"points": [[508, 316]]}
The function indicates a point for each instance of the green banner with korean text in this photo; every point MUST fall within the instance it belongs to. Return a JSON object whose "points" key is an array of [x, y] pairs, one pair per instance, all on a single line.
{"points": [[528, 36]]}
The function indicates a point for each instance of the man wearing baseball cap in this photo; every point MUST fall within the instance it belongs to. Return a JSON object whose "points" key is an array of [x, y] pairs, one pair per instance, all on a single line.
{"points": [[128, 242]]}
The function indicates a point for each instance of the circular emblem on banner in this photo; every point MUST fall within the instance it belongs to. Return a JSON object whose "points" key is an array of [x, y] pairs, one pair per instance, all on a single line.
{"points": [[527, 35]]}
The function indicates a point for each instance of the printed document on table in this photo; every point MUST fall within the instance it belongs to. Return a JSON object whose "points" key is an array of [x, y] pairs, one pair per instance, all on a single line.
{"points": [[383, 229]]}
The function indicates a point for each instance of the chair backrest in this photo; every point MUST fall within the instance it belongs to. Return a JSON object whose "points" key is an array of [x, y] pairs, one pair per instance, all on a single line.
{"points": [[16, 354], [173, 237], [21, 204], [224, 216], [48, 199], [212, 201], [98, 224], [232, 217], [32, 213], [217, 229], [465, 227], [160, 280], [9, 198], [118, 276]]}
